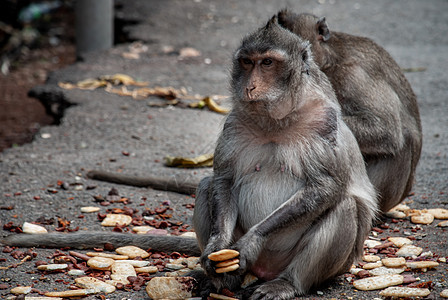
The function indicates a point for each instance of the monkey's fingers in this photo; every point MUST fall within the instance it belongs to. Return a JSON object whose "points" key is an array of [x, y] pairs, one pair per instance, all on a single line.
{"points": [[227, 269], [224, 254]]}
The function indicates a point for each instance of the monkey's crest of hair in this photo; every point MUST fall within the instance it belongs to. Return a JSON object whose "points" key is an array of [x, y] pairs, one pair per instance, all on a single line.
{"points": [[273, 37]]}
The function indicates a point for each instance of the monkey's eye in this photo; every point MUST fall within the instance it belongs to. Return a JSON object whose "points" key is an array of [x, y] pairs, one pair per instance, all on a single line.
{"points": [[246, 61], [266, 62]]}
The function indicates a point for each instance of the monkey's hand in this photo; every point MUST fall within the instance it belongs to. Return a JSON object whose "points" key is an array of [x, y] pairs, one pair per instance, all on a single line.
{"points": [[215, 244], [249, 247]]}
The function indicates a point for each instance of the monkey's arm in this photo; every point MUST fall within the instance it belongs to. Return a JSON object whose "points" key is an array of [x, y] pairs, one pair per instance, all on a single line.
{"points": [[300, 210], [97, 239], [172, 184]]}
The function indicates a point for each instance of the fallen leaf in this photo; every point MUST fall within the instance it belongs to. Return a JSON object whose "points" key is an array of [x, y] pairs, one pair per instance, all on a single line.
{"points": [[205, 160]]}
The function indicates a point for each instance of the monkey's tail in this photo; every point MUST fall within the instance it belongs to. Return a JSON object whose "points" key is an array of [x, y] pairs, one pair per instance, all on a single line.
{"points": [[97, 239]]}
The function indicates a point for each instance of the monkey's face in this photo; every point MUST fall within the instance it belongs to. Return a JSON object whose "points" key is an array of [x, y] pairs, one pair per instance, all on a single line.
{"points": [[269, 70], [262, 81]]}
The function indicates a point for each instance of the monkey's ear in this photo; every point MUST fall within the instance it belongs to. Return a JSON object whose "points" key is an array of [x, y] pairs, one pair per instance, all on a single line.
{"points": [[322, 29], [306, 56], [272, 21]]}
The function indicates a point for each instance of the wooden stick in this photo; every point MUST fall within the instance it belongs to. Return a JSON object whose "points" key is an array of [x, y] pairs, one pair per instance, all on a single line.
{"points": [[158, 183]]}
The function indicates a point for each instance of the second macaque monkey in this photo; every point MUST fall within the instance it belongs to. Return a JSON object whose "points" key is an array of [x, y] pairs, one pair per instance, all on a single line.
{"points": [[377, 102]]}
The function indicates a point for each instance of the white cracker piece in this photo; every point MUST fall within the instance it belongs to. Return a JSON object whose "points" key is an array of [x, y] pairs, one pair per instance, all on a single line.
{"points": [[112, 220], [438, 213], [107, 255], [404, 292], [227, 269], [223, 254], [371, 243], [88, 282], [409, 250], [386, 271], [89, 209], [72, 293], [132, 251], [377, 282], [370, 266], [21, 290], [100, 263], [425, 264], [400, 241], [134, 263], [443, 224], [121, 268], [42, 298], [148, 269], [371, 258], [142, 229], [170, 287], [52, 267], [395, 214], [423, 218], [394, 262], [444, 294], [33, 228]]}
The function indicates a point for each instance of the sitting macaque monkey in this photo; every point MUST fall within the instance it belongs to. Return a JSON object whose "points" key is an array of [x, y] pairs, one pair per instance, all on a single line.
{"points": [[290, 190], [377, 101]]}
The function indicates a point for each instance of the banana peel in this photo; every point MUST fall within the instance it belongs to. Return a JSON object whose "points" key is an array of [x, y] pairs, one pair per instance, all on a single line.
{"points": [[205, 160], [213, 106]]}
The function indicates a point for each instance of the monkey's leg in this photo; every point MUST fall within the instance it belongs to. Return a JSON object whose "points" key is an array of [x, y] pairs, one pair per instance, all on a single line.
{"points": [[392, 178], [322, 252], [202, 222]]}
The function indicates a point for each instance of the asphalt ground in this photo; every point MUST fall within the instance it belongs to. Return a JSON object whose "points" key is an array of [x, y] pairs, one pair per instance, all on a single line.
{"points": [[107, 131]]}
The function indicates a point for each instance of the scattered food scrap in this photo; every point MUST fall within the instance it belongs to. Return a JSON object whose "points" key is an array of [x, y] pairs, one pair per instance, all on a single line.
{"points": [[205, 160], [172, 96]]}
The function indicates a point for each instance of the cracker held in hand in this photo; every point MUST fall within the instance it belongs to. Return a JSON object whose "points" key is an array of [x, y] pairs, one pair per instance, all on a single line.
{"points": [[227, 269], [227, 263], [224, 254]]}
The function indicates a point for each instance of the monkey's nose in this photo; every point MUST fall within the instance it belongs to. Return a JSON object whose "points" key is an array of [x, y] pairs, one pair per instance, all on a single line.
{"points": [[249, 90]]}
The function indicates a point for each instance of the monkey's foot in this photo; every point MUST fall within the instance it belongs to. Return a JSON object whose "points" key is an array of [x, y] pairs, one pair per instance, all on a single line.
{"points": [[276, 289]]}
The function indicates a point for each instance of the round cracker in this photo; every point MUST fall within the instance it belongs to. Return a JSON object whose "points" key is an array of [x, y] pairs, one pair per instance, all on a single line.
{"points": [[227, 263], [227, 269], [224, 254]]}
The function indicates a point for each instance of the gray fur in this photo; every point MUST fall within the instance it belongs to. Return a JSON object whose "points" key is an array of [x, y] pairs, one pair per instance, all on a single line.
{"points": [[291, 194], [378, 103]]}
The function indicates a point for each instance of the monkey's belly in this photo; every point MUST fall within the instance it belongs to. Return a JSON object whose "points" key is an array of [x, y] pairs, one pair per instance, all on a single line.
{"points": [[260, 193]]}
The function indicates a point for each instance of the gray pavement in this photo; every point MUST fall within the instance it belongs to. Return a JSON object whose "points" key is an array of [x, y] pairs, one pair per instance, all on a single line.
{"points": [[95, 132]]}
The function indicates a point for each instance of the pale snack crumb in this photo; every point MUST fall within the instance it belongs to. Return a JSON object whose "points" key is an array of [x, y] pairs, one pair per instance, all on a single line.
{"points": [[116, 219], [132, 251], [400, 241], [222, 255], [423, 218], [371, 258], [444, 294], [394, 262], [227, 269], [409, 250], [404, 292], [377, 282], [33, 228], [100, 263]]}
